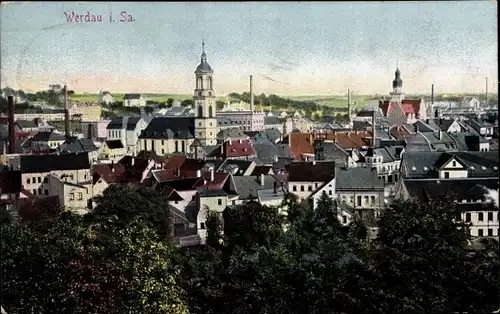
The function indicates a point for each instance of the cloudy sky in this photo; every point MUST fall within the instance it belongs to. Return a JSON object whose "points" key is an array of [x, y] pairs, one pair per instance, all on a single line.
{"points": [[290, 48]]}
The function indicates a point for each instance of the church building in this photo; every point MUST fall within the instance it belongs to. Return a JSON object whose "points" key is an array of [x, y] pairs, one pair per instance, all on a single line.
{"points": [[168, 135], [399, 110]]}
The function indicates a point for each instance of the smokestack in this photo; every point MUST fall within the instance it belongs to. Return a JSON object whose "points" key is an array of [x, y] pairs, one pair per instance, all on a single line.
{"points": [[373, 129], [66, 113], [349, 104], [212, 174], [486, 91], [432, 94], [12, 129], [262, 179], [251, 94]]}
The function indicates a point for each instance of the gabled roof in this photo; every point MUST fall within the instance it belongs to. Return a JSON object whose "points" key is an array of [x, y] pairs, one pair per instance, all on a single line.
{"points": [[79, 145], [358, 177], [45, 136], [446, 158], [239, 148]]}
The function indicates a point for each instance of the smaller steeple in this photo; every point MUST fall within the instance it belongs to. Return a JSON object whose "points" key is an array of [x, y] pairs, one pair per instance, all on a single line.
{"points": [[203, 54], [203, 67]]}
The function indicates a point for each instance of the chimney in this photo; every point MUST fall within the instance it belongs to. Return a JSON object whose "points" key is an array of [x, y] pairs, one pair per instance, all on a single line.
{"points": [[12, 129], [229, 142], [262, 179], [198, 173], [66, 113], [432, 94], [440, 134], [251, 94], [275, 187], [112, 166], [349, 104], [211, 174], [239, 141], [178, 172], [275, 158], [486, 91], [374, 132]]}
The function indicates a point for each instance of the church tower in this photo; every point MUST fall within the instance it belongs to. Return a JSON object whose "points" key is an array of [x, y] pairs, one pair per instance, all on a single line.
{"points": [[397, 87], [205, 103]]}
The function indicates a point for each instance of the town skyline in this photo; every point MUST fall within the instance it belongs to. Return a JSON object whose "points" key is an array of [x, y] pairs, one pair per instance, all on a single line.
{"points": [[454, 47]]}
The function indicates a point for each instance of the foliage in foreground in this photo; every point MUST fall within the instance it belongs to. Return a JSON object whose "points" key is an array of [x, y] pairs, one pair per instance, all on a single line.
{"points": [[120, 260]]}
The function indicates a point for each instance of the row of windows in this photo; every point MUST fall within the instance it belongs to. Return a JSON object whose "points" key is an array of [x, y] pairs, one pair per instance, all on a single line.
{"points": [[46, 180], [368, 200], [72, 196], [46, 192], [480, 232], [480, 217], [302, 188], [113, 133]]}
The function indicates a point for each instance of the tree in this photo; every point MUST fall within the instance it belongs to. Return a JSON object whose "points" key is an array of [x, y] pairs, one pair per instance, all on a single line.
{"points": [[111, 261], [187, 103], [420, 263], [214, 229], [170, 102]]}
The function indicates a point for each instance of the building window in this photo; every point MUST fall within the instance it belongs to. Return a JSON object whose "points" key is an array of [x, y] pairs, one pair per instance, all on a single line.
{"points": [[39, 191], [46, 192], [366, 199], [71, 196], [446, 175], [490, 216], [34, 191], [219, 201], [458, 217], [490, 232], [344, 219], [359, 200], [309, 188], [480, 217], [162, 142], [162, 151], [480, 232], [454, 163], [28, 181], [467, 217], [372, 200], [202, 225], [316, 185], [80, 196], [200, 134], [330, 192], [302, 188], [294, 188], [39, 179]]}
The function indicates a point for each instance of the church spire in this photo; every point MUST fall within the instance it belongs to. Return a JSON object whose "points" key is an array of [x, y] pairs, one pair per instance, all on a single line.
{"points": [[203, 54]]}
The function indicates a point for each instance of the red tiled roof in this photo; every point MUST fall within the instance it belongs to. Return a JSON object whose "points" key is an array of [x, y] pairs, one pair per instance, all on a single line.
{"points": [[171, 194], [220, 179], [107, 174], [407, 105], [238, 148], [173, 174], [175, 162], [302, 143]]}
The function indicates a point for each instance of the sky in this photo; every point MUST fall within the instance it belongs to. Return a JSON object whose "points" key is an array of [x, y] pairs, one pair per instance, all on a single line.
{"points": [[290, 48]]}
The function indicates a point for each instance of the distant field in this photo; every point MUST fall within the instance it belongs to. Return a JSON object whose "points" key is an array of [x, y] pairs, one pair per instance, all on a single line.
{"points": [[336, 101]]}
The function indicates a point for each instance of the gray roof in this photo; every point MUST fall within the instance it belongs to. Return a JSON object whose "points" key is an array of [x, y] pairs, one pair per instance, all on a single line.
{"points": [[230, 164], [467, 141], [80, 145], [272, 120], [131, 96], [123, 123], [266, 152], [272, 134], [204, 67], [179, 112], [284, 151], [357, 178], [45, 136], [26, 124], [223, 121], [231, 133], [169, 128], [423, 164], [247, 186], [329, 150]]}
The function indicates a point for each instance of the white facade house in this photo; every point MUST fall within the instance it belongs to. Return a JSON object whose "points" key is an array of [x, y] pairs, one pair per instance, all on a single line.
{"points": [[134, 100], [127, 129], [106, 98]]}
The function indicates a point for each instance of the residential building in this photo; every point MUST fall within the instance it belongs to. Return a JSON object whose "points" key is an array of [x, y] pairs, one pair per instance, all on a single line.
{"points": [[245, 119], [112, 150], [70, 168], [134, 100], [302, 124], [80, 146], [471, 102], [469, 178], [47, 139], [106, 98], [127, 129], [284, 125]]}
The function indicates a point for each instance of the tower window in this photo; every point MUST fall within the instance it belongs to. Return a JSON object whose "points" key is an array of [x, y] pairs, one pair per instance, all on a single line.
{"points": [[210, 83], [210, 113], [200, 111], [199, 83]]}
